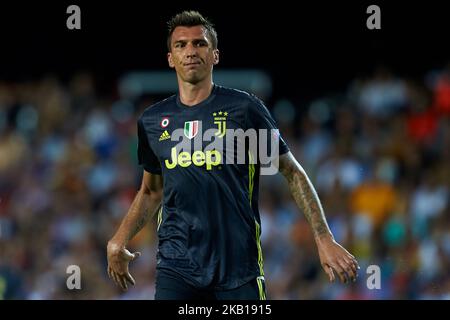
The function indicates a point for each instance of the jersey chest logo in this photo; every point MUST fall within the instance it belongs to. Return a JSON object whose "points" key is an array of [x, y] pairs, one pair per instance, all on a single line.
{"points": [[220, 119], [191, 129]]}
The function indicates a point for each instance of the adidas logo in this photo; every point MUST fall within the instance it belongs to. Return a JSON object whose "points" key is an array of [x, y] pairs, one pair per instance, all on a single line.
{"points": [[164, 136]]}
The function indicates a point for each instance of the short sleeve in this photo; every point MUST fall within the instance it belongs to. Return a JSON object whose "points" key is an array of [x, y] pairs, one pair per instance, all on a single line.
{"points": [[259, 117], [146, 156]]}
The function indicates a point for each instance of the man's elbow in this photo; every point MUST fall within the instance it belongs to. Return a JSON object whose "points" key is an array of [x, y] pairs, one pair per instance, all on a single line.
{"points": [[154, 195], [152, 187], [291, 169]]}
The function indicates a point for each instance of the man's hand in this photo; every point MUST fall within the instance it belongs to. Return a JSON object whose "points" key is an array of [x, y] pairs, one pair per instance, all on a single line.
{"points": [[118, 259], [334, 257]]}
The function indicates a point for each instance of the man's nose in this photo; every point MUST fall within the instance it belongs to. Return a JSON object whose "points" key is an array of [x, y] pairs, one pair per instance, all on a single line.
{"points": [[191, 51]]}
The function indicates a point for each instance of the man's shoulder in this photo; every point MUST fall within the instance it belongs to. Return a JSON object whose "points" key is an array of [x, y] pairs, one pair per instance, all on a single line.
{"points": [[157, 107], [237, 94]]}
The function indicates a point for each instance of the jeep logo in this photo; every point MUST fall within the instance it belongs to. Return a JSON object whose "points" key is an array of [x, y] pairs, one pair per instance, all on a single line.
{"points": [[198, 158]]}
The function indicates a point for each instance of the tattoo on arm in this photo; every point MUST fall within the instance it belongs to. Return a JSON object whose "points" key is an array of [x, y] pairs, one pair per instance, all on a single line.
{"points": [[142, 220], [144, 208], [304, 194], [145, 204]]}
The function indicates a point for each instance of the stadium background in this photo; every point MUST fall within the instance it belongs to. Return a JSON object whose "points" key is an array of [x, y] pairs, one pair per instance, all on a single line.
{"points": [[365, 112]]}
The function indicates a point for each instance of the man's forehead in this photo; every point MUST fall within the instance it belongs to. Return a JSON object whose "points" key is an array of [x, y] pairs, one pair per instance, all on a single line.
{"points": [[195, 32]]}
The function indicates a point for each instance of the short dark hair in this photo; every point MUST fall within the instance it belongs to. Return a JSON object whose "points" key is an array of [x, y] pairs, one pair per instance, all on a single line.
{"points": [[191, 19]]}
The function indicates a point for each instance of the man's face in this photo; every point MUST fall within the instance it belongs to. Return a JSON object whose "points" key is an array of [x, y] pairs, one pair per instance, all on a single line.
{"points": [[192, 54]]}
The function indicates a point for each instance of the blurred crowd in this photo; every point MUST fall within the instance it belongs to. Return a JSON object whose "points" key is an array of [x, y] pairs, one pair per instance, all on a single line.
{"points": [[378, 154]]}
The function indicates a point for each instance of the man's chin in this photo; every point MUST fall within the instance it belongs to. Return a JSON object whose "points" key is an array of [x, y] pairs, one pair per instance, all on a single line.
{"points": [[193, 78]]}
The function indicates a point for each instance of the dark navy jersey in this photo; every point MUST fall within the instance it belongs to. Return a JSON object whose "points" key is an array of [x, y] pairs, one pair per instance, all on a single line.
{"points": [[209, 224]]}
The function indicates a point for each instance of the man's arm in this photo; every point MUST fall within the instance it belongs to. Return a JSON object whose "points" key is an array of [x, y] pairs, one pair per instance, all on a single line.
{"points": [[332, 255], [143, 207]]}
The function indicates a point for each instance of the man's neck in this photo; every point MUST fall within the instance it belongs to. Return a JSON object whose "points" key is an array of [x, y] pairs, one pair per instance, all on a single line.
{"points": [[192, 94]]}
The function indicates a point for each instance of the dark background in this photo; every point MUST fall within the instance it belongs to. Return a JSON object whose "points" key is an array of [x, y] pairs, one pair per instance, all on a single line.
{"points": [[322, 45]]}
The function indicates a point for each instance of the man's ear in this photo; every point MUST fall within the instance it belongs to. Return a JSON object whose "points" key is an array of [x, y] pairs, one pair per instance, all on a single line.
{"points": [[216, 56], [169, 59]]}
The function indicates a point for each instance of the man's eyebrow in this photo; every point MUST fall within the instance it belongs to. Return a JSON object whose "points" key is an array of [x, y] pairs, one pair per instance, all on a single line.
{"points": [[193, 40], [200, 40]]}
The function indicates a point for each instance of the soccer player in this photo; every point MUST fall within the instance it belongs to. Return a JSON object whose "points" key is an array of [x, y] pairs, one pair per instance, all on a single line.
{"points": [[208, 219]]}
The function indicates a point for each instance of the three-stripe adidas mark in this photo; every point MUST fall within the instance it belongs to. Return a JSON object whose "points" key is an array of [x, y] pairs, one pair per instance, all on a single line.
{"points": [[164, 136]]}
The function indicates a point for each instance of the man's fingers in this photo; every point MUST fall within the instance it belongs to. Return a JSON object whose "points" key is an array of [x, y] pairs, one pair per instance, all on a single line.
{"points": [[136, 255], [120, 281], [340, 272], [118, 271], [355, 267], [355, 262], [115, 277], [349, 269], [130, 278], [331, 274], [123, 283], [329, 271], [132, 256]]}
